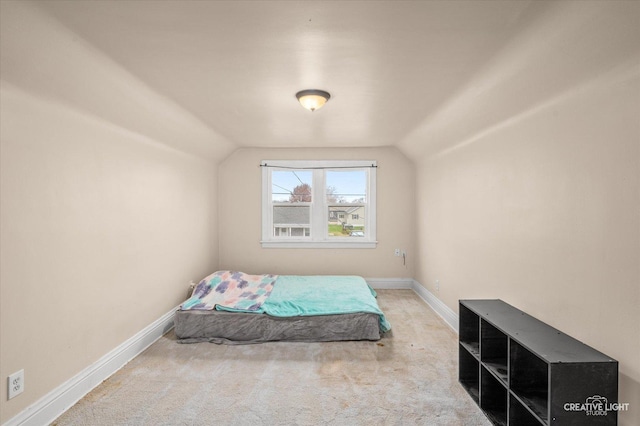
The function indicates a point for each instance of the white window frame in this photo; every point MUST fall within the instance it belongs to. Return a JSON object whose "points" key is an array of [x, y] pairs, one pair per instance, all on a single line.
{"points": [[319, 207]]}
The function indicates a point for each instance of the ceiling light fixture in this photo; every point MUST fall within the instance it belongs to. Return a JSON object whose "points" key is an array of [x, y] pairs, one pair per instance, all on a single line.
{"points": [[312, 99]]}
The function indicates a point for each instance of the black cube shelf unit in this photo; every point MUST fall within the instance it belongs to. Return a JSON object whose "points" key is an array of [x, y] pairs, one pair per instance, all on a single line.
{"points": [[522, 372]]}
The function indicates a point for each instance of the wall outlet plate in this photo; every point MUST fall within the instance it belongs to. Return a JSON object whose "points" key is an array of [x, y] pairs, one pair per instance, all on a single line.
{"points": [[16, 384]]}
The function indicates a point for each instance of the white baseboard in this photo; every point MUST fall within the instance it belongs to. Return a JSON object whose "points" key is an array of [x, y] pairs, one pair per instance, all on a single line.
{"points": [[390, 283], [447, 314], [56, 402]]}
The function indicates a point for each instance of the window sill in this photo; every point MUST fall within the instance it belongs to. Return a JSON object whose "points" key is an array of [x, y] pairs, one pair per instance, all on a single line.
{"points": [[320, 244]]}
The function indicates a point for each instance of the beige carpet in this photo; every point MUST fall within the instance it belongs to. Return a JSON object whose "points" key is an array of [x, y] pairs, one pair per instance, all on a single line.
{"points": [[407, 378]]}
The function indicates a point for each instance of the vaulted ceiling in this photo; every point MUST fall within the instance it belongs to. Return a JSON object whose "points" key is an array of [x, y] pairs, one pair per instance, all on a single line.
{"points": [[423, 76]]}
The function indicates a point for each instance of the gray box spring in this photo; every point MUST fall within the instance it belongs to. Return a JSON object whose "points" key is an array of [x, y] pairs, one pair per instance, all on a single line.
{"points": [[244, 328]]}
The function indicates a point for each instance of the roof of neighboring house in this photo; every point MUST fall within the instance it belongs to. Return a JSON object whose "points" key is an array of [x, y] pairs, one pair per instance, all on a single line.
{"points": [[347, 210], [289, 215]]}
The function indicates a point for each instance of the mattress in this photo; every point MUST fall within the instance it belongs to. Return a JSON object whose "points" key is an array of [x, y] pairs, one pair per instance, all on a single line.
{"points": [[235, 308]]}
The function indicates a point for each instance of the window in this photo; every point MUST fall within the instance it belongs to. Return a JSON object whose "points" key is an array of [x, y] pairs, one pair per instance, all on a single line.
{"points": [[318, 204]]}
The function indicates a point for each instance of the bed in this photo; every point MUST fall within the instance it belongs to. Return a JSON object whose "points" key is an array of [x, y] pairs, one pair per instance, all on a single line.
{"points": [[229, 307]]}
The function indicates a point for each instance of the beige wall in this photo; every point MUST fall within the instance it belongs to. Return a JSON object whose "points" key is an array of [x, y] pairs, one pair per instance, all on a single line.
{"points": [[108, 196], [240, 214], [543, 211], [101, 232]]}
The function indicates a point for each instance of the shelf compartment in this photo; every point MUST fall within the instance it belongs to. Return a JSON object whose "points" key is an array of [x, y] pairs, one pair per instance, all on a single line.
{"points": [[470, 330], [493, 398], [469, 373], [498, 370], [520, 415], [494, 350], [529, 379], [473, 349]]}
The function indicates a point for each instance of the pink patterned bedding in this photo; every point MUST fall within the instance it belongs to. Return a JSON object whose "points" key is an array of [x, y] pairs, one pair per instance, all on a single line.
{"points": [[231, 291]]}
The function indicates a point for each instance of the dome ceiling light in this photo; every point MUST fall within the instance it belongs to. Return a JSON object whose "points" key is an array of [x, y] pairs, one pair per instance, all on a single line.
{"points": [[312, 99]]}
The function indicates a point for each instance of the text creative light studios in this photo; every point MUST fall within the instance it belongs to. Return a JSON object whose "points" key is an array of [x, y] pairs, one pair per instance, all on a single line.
{"points": [[596, 406]]}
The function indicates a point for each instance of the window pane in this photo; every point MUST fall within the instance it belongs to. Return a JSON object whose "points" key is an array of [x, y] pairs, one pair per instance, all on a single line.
{"points": [[346, 221], [291, 221], [348, 186], [291, 186]]}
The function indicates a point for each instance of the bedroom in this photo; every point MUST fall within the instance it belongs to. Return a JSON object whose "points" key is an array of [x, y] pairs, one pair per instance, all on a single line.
{"points": [[506, 137]]}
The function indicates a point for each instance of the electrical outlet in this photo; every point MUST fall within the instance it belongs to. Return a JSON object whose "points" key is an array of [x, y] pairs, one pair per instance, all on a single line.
{"points": [[437, 285], [397, 252], [16, 384]]}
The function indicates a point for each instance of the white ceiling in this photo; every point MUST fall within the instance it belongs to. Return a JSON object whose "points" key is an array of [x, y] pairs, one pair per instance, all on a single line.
{"points": [[395, 70]]}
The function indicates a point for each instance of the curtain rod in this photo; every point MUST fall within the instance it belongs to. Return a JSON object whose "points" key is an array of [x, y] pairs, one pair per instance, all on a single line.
{"points": [[373, 166]]}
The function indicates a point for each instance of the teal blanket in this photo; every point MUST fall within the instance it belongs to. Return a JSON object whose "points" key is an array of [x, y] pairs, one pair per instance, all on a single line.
{"points": [[294, 295]]}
